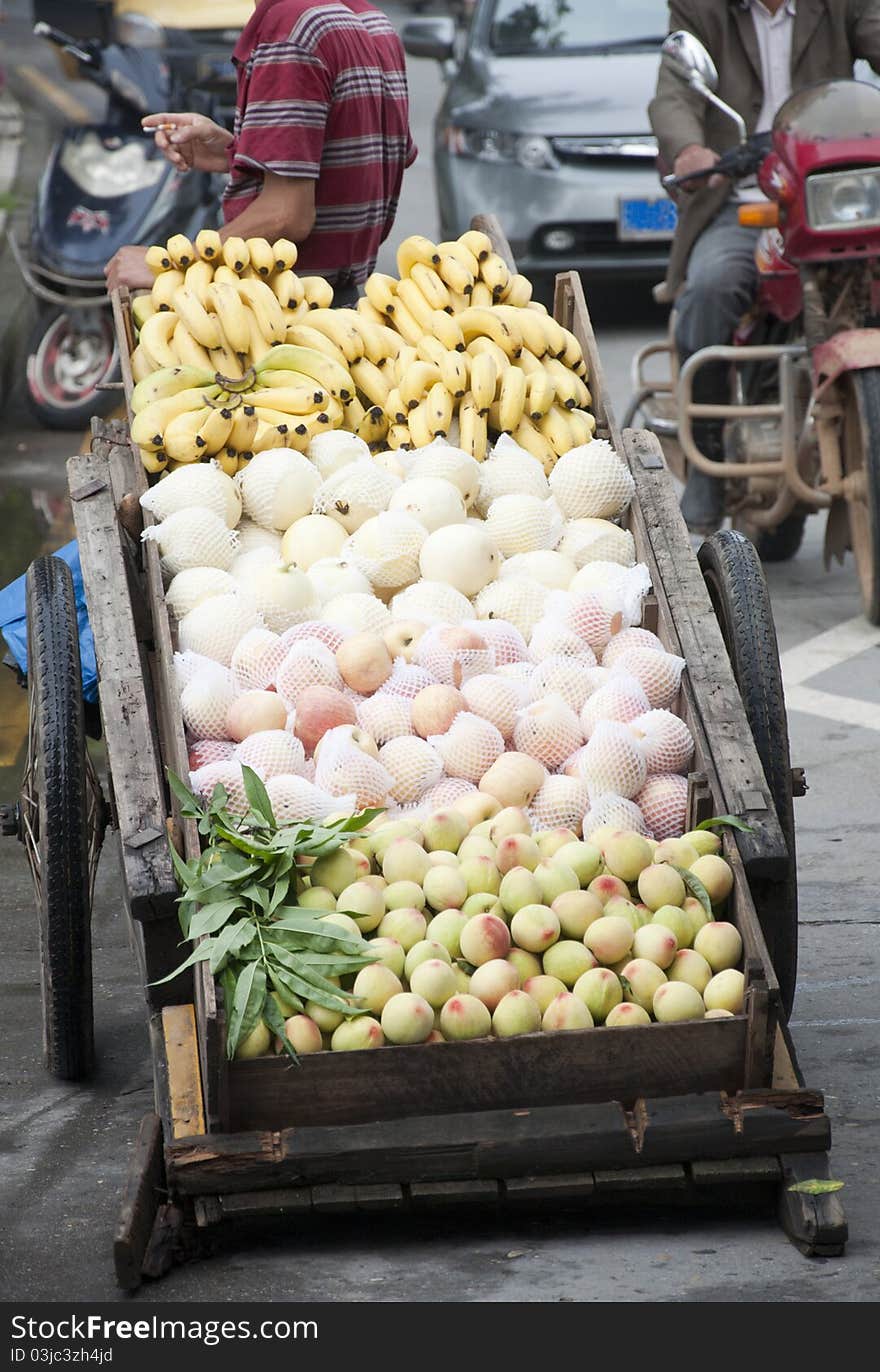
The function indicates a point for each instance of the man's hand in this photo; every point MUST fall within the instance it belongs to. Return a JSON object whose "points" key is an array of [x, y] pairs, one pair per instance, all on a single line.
{"points": [[129, 268], [190, 141], [695, 158]]}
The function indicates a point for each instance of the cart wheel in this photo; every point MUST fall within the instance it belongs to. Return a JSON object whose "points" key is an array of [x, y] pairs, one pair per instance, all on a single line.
{"points": [[62, 818], [738, 591]]}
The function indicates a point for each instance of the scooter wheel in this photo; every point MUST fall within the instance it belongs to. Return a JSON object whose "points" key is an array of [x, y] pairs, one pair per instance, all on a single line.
{"points": [[69, 354]]}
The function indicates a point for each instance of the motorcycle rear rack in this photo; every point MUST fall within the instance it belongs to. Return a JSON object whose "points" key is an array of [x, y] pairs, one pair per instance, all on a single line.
{"points": [[32, 271]]}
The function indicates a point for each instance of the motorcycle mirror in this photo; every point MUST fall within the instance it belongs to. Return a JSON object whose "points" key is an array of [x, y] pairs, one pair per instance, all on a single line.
{"points": [[685, 55]]}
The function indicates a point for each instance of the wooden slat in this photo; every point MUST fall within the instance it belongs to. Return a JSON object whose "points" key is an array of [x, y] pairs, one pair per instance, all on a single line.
{"points": [[538, 1189], [815, 1224], [187, 1116], [437, 1195], [735, 1171], [141, 1198], [670, 1177]]}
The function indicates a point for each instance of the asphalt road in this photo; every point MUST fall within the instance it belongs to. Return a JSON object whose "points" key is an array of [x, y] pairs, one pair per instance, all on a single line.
{"points": [[64, 1150]]}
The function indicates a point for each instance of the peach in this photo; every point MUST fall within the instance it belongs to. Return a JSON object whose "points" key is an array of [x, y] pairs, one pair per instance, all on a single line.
{"points": [[402, 637], [543, 989], [462, 980], [564, 1013], [364, 904], [476, 805], [375, 985], [511, 820], [316, 898], [435, 980], [390, 953], [335, 872], [640, 979], [674, 918], [675, 1001], [474, 846], [550, 841], [535, 927], [480, 876], [304, 1035], [256, 1044], [606, 887], [696, 913], [326, 1020], [445, 888], [704, 840], [568, 960], [609, 938], [404, 860], [626, 855], [517, 850], [362, 862], [677, 851], [519, 887], [318, 709], [483, 903], [526, 964], [356, 1034], [720, 944], [465, 1017], [627, 910], [655, 943], [516, 1013], [659, 884], [716, 875], [433, 710], [690, 966], [444, 830], [628, 1015], [423, 950], [404, 895], [492, 980], [553, 878], [719, 1014], [440, 858], [576, 911], [600, 990], [381, 837], [407, 1018], [584, 859], [446, 928], [483, 938], [725, 991], [406, 925]]}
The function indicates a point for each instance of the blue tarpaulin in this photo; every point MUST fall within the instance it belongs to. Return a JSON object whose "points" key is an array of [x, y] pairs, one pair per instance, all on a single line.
{"points": [[13, 621]]}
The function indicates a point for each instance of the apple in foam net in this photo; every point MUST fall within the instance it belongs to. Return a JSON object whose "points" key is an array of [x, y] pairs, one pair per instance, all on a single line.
{"points": [[319, 709], [402, 638], [433, 710]]}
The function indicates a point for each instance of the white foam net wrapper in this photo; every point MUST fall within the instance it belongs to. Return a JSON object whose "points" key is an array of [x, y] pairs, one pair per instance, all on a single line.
{"points": [[207, 750], [591, 482], [414, 766], [354, 494], [469, 746], [596, 540], [295, 799], [451, 464], [432, 602], [627, 586], [595, 616], [614, 811], [446, 792], [552, 569], [622, 699], [251, 536], [331, 635], [522, 524], [667, 742], [192, 538], [307, 663], [627, 639], [407, 679], [548, 730], [215, 627], [336, 576], [342, 768], [385, 717], [244, 564], [496, 699], [188, 589], [272, 753], [387, 548], [277, 488], [358, 612], [560, 804], [595, 678], [520, 672], [572, 766], [552, 638], [225, 774], [663, 802], [198, 483], [613, 761], [204, 702], [506, 641], [659, 674], [188, 665], [561, 676], [517, 601], [256, 659], [330, 451], [437, 652], [510, 471]]}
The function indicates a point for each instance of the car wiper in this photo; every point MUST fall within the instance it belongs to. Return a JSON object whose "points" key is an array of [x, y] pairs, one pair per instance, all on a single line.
{"points": [[622, 44], [581, 50]]}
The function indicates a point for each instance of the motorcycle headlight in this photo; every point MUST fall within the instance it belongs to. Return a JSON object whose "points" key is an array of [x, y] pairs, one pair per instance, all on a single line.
{"points": [[532, 150], [138, 31], [844, 200], [108, 172]]}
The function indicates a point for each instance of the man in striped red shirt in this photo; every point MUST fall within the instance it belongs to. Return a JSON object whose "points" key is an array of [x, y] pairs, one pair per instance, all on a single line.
{"points": [[320, 144]]}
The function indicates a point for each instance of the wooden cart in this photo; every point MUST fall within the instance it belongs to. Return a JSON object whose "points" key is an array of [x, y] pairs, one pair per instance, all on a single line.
{"points": [[692, 1113]]}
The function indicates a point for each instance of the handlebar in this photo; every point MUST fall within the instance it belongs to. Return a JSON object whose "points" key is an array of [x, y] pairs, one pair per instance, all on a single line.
{"points": [[741, 161], [87, 55]]}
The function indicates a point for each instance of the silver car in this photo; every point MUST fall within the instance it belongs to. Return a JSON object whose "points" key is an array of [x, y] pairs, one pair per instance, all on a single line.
{"points": [[544, 123]]}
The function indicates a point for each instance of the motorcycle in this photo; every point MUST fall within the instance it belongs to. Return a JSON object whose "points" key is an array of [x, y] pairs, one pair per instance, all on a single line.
{"points": [[802, 427], [105, 185]]}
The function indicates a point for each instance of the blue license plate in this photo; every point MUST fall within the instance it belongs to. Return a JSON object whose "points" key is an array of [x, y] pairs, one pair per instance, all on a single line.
{"points": [[646, 219]]}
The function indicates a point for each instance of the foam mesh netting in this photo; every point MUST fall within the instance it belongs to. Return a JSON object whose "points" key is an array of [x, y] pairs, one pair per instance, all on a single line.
{"points": [[547, 730], [505, 639], [342, 768], [560, 804], [622, 699], [663, 802], [276, 487], [307, 663], [552, 638], [596, 540], [207, 750], [595, 616], [225, 774], [385, 717], [251, 535], [667, 742], [432, 602], [632, 584], [613, 761], [627, 639], [517, 601], [355, 493], [215, 626], [192, 538], [414, 766], [387, 548], [445, 793], [510, 470], [272, 753], [189, 588], [561, 676], [469, 746], [295, 799], [591, 482], [331, 635], [437, 652], [357, 612], [205, 702], [617, 813], [188, 665], [522, 524], [496, 699], [659, 674], [256, 659], [407, 679]]}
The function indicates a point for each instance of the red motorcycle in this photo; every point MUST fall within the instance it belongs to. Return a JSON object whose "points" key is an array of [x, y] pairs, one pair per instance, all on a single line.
{"points": [[802, 429]]}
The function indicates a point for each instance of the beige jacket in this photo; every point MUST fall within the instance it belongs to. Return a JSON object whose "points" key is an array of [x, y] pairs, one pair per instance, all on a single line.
{"points": [[829, 35]]}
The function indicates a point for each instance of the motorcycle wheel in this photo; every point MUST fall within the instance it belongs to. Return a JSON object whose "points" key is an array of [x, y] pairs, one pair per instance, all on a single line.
{"points": [[70, 353], [860, 445], [779, 544]]}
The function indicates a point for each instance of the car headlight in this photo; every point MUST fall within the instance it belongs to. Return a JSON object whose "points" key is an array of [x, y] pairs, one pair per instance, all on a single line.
{"points": [[108, 172], [138, 31], [530, 150], [844, 200]]}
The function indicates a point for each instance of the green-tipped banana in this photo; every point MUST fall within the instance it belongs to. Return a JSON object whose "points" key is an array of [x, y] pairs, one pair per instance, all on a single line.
{"points": [[169, 381], [329, 375], [148, 426]]}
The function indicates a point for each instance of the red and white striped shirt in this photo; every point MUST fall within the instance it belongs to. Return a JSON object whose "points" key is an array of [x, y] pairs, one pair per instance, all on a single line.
{"points": [[322, 93]]}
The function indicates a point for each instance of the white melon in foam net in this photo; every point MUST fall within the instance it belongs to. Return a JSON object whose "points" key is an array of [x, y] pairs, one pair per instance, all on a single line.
{"points": [[197, 483], [245, 564], [552, 569], [294, 799], [431, 500], [390, 462], [272, 753], [518, 601], [612, 811], [329, 452], [469, 746], [251, 536], [310, 539], [667, 742], [462, 554], [193, 537], [331, 635], [560, 804], [188, 665], [386, 548], [562, 676], [355, 494], [613, 761], [495, 698], [338, 576], [358, 611], [443, 460], [548, 730], [205, 700], [432, 602], [505, 640], [307, 663], [591, 482], [215, 627], [277, 487], [256, 658], [414, 766], [225, 774], [630, 638], [663, 802], [621, 699], [659, 674], [596, 540], [189, 588], [520, 523], [441, 652], [342, 768], [510, 470], [385, 717], [283, 595], [552, 638]]}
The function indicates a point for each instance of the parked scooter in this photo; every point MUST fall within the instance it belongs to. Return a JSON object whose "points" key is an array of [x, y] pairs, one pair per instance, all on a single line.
{"points": [[802, 429], [106, 184]]}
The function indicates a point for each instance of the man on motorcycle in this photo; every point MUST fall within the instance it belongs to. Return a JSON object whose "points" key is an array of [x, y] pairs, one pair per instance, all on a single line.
{"points": [[763, 51], [320, 142]]}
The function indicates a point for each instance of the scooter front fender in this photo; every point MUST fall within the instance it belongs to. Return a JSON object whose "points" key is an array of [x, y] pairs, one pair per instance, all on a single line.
{"points": [[851, 350]]}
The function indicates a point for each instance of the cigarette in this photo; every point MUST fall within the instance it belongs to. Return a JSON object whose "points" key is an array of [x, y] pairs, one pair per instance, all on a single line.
{"points": [[163, 128]]}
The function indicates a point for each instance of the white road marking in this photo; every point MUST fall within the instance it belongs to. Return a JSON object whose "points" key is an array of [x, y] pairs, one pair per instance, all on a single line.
{"points": [[820, 654]]}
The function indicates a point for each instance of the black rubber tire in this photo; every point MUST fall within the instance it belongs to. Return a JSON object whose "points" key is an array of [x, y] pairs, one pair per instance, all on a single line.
{"points": [[738, 591], [74, 417], [863, 412], [782, 543], [59, 747]]}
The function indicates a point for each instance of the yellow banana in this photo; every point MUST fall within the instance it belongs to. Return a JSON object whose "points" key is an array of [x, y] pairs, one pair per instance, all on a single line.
{"points": [[346, 338], [181, 251], [582, 425], [482, 296], [528, 437], [380, 291], [472, 428], [411, 297], [154, 462], [395, 408], [295, 314], [169, 381], [330, 375], [405, 358], [141, 366], [244, 428], [227, 304], [416, 249], [398, 436], [447, 330], [318, 292], [226, 363], [162, 294], [305, 398], [149, 424], [142, 308], [225, 276], [477, 322], [285, 253], [556, 342], [214, 432], [228, 460], [159, 259], [197, 278], [529, 326], [554, 426], [370, 381], [208, 245], [455, 373], [419, 425], [236, 255], [459, 302], [190, 353], [374, 425], [480, 344], [375, 337], [540, 394], [156, 337], [283, 378], [181, 433], [302, 336], [511, 398], [496, 274], [431, 350], [190, 309], [529, 363], [261, 300], [369, 312], [416, 381], [258, 344], [455, 274], [406, 323], [288, 288], [455, 248], [267, 436], [262, 256], [279, 419], [477, 242], [354, 415], [573, 351], [570, 389], [537, 306], [439, 410], [485, 375], [431, 286], [518, 291]]}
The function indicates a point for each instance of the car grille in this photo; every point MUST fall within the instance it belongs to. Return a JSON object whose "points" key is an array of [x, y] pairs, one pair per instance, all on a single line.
{"points": [[616, 151]]}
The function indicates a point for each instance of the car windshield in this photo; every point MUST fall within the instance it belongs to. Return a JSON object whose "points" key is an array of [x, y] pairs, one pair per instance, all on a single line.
{"points": [[571, 26]]}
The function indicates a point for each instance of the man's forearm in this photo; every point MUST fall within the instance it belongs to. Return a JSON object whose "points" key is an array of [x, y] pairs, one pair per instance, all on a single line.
{"points": [[272, 216]]}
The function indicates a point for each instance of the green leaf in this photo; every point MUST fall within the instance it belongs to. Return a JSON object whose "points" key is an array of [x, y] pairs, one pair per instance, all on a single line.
{"points": [[279, 894], [190, 806], [695, 886], [258, 797], [303, 921], [247, 1006], [184, 871], [818, 1186], [280, 979], [306, 987], [230, 941], [200, 954], [185, 911], [726, 821], [210, 918], [332, 965], [275, 1021]]}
